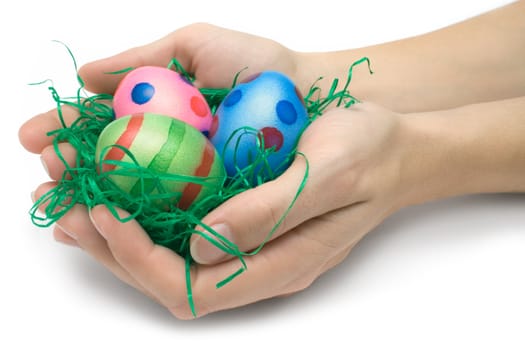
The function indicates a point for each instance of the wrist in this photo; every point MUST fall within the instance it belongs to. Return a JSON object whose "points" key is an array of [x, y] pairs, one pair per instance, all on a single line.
{"points": [[473, 149], [426, 147]]}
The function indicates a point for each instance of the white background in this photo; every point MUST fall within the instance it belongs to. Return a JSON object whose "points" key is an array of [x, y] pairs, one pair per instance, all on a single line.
{"points": [[444, 275]]}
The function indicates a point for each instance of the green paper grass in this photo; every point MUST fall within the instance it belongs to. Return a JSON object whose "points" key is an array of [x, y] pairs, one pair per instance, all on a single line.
{"points": [[82, 184]]}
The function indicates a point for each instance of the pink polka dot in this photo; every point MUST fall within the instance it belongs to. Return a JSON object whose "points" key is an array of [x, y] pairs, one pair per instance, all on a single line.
{"points": [[272, 137], [214, 126], [198, 106]]}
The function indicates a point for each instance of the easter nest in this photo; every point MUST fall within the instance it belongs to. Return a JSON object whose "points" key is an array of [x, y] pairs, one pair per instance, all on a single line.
{"points": [[83, 183]]}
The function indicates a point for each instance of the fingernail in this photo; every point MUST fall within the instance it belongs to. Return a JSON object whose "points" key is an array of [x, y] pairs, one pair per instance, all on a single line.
{"points": [[205, 252], [44, 165]]}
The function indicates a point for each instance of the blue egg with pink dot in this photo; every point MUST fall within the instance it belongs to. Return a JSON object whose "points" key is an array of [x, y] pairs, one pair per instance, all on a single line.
{"points": [[259, 122]]}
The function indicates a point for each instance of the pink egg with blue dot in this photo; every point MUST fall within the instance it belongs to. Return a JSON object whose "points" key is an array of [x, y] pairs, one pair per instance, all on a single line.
{"points": [[163, 91], [265, 111]]}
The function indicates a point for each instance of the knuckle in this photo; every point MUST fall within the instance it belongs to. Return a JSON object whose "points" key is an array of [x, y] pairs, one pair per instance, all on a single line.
{"points": [[264, 216], [269, 211], [300, 284]]}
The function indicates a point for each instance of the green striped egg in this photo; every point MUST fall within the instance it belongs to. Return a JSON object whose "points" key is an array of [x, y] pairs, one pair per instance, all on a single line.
{"points": [[163, 145]]}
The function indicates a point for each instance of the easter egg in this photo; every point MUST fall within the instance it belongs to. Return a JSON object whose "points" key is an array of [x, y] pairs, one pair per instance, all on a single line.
{"points": [[161, 90], [161, 145], [264, 112]]}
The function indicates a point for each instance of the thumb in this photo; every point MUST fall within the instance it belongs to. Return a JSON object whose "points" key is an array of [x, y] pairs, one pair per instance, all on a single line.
{"points": [[249, 218]]}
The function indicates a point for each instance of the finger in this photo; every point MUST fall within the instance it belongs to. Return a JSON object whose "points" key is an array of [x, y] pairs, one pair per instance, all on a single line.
{"points": [[62, 237], [159, 270], [75, 228], [40, 191], [55, 163], [33, 133], [76, 223]]}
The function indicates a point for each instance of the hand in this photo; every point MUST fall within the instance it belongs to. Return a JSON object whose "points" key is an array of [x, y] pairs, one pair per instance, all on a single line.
{"points": [[355, 157], [199, 48], [347, 194], [212, 54]]}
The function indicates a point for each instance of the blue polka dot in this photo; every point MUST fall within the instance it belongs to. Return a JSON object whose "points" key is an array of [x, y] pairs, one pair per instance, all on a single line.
{"points": [[142, 93], [233, 98], [286, 112], [206, 133]]}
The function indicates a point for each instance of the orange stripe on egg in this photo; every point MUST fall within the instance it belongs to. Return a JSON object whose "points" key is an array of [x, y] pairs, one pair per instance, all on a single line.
{"points": [[125, 140], [192, 190]]}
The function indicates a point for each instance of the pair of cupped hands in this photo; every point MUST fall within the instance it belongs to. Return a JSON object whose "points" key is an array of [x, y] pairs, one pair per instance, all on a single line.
{"points": [[355, 181]]}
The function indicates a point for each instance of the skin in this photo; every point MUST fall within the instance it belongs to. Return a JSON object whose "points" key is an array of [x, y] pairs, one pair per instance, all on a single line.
{"points": [[411, 142]]}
